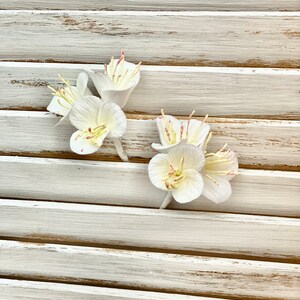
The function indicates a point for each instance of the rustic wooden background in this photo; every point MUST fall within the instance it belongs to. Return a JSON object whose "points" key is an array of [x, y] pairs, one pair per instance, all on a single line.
{"points": [[75, 227]]}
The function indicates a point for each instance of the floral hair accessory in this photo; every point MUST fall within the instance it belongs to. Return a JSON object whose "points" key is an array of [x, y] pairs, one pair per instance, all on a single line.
{"points": [[64, 98], [185, 169], [173, 132], [178, 172], [96, 120], [118, 80]]}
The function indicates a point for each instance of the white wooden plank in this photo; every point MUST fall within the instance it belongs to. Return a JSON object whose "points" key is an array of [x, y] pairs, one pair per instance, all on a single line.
{"points": [[27, 290], [254, 191], [214, 233], [257, 142], [190, 5], [190, 38], [213, 91], [155, 271]]}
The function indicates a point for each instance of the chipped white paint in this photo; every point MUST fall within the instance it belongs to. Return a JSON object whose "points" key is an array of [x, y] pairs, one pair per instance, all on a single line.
{"points": [[190, 5], [189, 38], [24, 290], [213, 91], [215, 233], [179, 273], [254, 191], [255, 141]]}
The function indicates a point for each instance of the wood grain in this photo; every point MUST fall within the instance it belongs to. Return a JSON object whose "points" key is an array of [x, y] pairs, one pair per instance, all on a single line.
{"points": [[257, 142], [255, 39], [190, 5], [25, 290], [204, 232], [254, 191], [214, 91], [152, 271]]}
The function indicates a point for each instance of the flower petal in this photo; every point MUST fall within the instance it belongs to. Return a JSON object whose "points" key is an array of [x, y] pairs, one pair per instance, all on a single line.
{"points": [[113, 117], [81, 83], [100, 80], [158, 169], [216, 188], [84, 112], [193, 157], [162, 122], [119, 97], [59, 106], [165, 149], [198, 132], [190, 188], [80, 145]]}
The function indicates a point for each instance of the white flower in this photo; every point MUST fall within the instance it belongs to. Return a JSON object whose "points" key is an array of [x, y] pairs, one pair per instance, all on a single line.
{"points": [[64, 98], [173, 132], [117, 82], [179, 172], [95, 120], [220, 168]]}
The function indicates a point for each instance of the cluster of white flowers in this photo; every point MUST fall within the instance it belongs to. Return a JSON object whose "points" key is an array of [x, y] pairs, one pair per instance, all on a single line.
{"points": [[183, 167], [97, 118]]}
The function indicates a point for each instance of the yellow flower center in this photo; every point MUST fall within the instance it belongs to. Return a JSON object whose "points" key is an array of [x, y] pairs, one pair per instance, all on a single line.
{"points": [[120, 75], [68, 93], [93, 134], [175, 176], [171, 132], [219, 160]]}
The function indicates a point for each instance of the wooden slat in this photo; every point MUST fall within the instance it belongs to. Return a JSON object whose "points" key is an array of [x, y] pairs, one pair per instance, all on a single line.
{"points": [[190, 5], [190, 38], [26, 290], [155, 271], [254, 191], [257, 142], [204, 232], [213, 91]]}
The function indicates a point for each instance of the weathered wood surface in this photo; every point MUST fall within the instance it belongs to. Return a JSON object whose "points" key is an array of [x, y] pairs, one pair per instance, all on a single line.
{"points": [[202, 232], [181, 38], [151, 271], [264, 142], [214, 91], [24, 290], [254, 191], [190, 5]]}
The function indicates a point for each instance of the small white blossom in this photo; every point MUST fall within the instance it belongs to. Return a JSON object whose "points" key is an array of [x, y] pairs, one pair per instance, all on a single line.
{"points": [[173, 132], [220, 168], [64, 98], [178, 172], [95, 120], [118, 80]]}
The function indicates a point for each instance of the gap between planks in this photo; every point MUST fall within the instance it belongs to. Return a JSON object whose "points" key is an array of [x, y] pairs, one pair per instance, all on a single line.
{"points": [[212, 234], [151, 271], [256, 142], [75, 181], [23, 289], [217, 91]]}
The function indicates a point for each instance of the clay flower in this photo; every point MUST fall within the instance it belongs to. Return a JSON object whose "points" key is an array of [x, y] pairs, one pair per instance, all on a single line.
{"points": [[178, 172], [118, 80], [64, 98], [220, 168], [173, 132], [96, 120]]}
